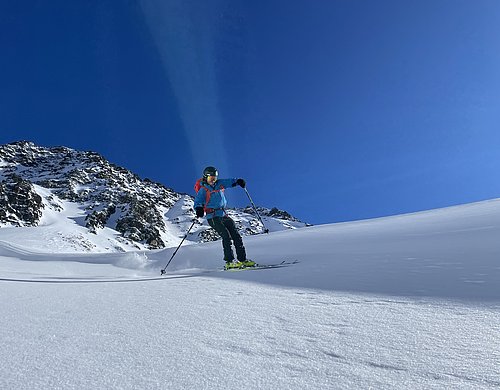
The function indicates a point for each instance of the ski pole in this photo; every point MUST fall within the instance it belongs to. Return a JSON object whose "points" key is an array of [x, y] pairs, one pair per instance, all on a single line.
{"points": [[163, 271], [256, 212]]}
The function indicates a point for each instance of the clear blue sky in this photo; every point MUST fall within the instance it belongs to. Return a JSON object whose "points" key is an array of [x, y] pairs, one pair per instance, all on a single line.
{"points": [[332, 110]]}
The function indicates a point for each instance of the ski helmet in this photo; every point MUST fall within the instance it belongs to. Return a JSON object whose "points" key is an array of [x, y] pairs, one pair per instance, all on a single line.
{"points": [[210, 171]]}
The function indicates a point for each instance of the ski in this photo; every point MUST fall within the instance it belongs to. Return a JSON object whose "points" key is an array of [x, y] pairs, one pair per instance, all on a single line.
{"points": [[284, 263]]}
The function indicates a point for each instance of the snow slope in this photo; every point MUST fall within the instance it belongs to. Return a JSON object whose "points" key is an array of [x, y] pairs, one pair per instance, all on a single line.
{"points": [[410, 301]]}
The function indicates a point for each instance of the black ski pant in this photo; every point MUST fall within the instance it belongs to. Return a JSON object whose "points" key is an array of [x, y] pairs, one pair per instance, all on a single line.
{"points": [[226, 228]]}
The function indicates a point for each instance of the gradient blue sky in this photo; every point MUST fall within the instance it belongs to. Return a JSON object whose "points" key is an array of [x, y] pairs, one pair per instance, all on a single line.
{"points": [[332, 110]]}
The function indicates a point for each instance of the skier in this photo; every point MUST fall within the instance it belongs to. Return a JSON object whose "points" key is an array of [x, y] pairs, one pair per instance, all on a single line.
{"points": [[210, 200]]}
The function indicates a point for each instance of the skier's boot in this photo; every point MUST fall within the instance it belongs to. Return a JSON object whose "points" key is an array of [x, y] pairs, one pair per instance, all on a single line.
{"points": [[232, 264], [248, 263]]}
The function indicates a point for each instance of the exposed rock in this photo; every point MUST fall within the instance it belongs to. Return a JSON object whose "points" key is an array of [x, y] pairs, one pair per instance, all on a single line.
{"points": [[20, 205]]}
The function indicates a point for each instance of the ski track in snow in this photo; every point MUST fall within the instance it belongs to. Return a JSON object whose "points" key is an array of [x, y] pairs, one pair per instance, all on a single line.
{"points": [[402, 302]]}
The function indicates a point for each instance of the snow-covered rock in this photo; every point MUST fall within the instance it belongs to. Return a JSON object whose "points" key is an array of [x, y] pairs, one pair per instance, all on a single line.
{"points": [[89, 197]]}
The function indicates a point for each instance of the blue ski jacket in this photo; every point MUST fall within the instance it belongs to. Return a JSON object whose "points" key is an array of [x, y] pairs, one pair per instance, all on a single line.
{"points": [[212, 198]]}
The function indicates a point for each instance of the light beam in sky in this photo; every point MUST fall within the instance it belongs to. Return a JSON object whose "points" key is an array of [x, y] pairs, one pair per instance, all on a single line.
{"points": [[184, 34]]}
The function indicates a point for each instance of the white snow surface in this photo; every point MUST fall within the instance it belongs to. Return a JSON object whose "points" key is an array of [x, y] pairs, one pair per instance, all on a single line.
{"points": [[410, 301]]}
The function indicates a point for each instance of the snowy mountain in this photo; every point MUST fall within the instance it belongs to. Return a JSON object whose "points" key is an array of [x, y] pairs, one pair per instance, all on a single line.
{"points": [[82, 202], [404, 302]]}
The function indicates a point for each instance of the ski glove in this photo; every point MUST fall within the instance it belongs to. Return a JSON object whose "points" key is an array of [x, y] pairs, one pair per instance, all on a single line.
{"points": [[200, 212], [241, 183]]}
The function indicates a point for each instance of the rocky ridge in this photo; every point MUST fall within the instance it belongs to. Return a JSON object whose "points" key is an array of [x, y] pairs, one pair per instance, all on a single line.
{"points": [[35, 179]]}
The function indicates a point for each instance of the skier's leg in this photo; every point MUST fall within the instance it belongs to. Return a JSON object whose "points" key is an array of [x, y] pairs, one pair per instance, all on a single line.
{"points": [[235, 235], [219, 227]]}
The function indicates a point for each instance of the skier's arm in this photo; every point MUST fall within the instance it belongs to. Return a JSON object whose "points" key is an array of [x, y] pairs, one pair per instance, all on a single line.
{"points": [[232, 182], [199, 200], [227, 183]]}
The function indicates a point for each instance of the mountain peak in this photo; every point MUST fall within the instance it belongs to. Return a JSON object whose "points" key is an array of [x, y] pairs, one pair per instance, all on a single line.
{"points": [[40, 184]]}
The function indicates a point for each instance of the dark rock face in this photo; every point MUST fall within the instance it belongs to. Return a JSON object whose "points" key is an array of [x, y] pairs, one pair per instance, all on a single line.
{"points": [[274, 212], [209, 235], [142, 223], [20, 205], [99, 219]]}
